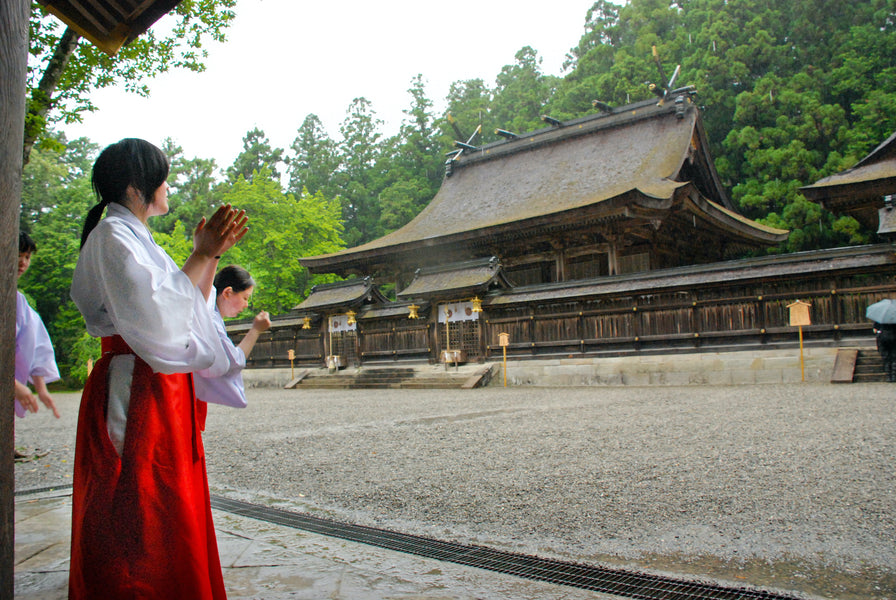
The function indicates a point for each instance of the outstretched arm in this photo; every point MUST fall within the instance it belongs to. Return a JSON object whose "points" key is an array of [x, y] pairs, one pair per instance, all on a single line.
{"points": [[260, 324]]}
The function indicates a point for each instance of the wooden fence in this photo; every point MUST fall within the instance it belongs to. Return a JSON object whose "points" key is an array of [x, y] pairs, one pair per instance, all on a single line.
{"points": [[664, 314]]}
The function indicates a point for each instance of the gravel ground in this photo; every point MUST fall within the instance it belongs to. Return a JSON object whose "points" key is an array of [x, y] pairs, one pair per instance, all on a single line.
{"points": [[789, 487]]}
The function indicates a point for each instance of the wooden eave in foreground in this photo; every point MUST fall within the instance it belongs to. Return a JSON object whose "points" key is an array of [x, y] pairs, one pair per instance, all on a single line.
{"points": [[109, 24]]}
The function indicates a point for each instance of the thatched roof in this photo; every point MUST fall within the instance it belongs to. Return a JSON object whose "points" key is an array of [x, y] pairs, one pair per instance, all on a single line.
{"points": [[109, 24], [342, 295], [859, 191], [634, 163], [457, 279]]}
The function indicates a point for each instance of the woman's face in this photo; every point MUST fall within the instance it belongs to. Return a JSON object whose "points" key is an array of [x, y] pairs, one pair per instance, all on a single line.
{"points": [[231, 303], [24, 262], [159, 204]]}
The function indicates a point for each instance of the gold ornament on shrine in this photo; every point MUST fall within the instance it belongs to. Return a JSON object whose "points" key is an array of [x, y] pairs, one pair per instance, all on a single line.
{"points": [[477, 304], [351, 317], [306, 323], [412, 311]]}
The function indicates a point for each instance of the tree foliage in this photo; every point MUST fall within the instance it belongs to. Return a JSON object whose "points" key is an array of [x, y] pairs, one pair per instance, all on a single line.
{"points": [[63, 69], [791, 92], [282, 228]]}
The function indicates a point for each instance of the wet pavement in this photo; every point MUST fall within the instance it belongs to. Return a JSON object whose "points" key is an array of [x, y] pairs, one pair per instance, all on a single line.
{"points": [[265, 561]]}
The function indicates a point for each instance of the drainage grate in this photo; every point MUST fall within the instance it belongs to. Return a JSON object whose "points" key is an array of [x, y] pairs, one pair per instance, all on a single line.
{"points": [[53, 488], [629, 584]]}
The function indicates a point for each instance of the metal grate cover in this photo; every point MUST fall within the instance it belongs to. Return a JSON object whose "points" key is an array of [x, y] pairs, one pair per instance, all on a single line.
{"points": [[630, 584], [620, 582]]}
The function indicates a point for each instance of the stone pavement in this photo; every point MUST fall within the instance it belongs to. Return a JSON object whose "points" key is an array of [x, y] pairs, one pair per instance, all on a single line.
{"points": [[270, 562]]}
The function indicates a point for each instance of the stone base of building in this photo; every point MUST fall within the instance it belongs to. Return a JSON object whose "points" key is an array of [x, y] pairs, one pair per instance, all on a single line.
{"points": [[744, 367]]}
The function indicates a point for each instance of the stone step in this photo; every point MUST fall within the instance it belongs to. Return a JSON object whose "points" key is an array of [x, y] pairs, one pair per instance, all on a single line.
{"points": [[394, 378], [869, 367]]}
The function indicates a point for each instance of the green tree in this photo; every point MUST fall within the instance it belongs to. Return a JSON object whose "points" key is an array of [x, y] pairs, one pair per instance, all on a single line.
{"points": [[790, 92], [413, 162], [64, 69], [178, 244], [315, 159], [282, 227], [257, 155], [357, 177], [521, 93], [59, 186], [194, 191], [468, 106]]}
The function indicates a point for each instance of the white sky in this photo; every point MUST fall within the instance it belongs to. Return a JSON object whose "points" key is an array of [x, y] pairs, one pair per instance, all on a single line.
{"points": [[285, 59]]}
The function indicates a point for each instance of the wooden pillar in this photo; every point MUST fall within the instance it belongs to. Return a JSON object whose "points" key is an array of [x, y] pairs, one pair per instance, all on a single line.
{"points": [[613, 255], [14, 50], [560, 260]]}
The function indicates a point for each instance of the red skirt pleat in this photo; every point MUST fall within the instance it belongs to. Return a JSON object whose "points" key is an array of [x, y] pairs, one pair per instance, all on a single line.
{"points": [[142, 523]]}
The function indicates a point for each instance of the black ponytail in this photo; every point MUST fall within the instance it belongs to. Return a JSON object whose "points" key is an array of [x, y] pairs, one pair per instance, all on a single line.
{"points": [[130, 163], [93, 217]]}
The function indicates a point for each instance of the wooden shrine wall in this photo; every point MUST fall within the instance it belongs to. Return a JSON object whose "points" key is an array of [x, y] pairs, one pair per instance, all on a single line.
{"points": [[725, 316]]}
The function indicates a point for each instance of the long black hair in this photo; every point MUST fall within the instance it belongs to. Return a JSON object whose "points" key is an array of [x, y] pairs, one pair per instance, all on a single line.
{"points": [[234, 277], [130, 163]]}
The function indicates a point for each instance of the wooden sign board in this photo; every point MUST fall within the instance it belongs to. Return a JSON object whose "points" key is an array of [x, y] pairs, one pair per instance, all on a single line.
{"points": [[504, 339], [799, 313]]}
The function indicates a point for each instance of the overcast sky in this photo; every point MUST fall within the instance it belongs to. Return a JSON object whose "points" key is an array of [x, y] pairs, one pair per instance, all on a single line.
{"points": [[285, 59]]}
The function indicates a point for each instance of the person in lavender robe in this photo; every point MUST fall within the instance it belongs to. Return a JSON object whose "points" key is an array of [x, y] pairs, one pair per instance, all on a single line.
{"points": [[35, 358]]}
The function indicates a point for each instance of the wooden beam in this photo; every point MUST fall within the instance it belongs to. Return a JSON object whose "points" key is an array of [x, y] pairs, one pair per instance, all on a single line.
{"points": [[13, 68]]}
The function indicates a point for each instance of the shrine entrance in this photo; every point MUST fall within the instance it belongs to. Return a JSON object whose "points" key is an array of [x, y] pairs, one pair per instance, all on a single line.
{"points": [[459, 332], [343, 348]]}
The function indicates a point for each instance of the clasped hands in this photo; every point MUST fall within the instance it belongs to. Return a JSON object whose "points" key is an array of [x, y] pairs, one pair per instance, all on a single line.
{"points": [[218, 234]]}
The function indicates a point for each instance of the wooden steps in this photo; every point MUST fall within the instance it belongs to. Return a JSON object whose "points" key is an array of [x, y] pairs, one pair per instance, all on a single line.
{"points": [[869, 367], [396, 378]]}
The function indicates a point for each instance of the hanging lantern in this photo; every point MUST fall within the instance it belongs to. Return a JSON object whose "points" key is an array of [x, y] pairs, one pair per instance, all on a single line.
{"points": [[477, 304], [412, 311], [351, 317], [306, 323]]}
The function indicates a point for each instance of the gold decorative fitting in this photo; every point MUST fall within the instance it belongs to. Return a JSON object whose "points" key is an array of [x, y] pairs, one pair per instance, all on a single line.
{"points": [[412, 311], [477, 304], [306, 323], [351, 317]]}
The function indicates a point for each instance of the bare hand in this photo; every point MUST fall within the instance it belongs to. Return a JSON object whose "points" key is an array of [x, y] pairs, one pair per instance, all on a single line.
{"points": [[47, 399], [25, 397], [262, 321], [217, 235]]}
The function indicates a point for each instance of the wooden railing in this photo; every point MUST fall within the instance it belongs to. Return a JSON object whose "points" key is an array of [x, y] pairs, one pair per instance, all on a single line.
{"points": [[734, 313]]}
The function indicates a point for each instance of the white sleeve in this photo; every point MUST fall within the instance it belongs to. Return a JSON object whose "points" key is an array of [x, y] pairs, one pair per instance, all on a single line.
{"points": [[34, 350], [121, 287], [226, 389]]}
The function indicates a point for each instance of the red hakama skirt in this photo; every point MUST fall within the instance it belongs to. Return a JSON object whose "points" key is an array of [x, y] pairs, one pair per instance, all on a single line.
{"points": [[142, 522]]}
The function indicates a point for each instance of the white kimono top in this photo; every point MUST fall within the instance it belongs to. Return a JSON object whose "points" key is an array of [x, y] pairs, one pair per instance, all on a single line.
{"points": [[125, 284], [228, 388], [34, 351]]}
